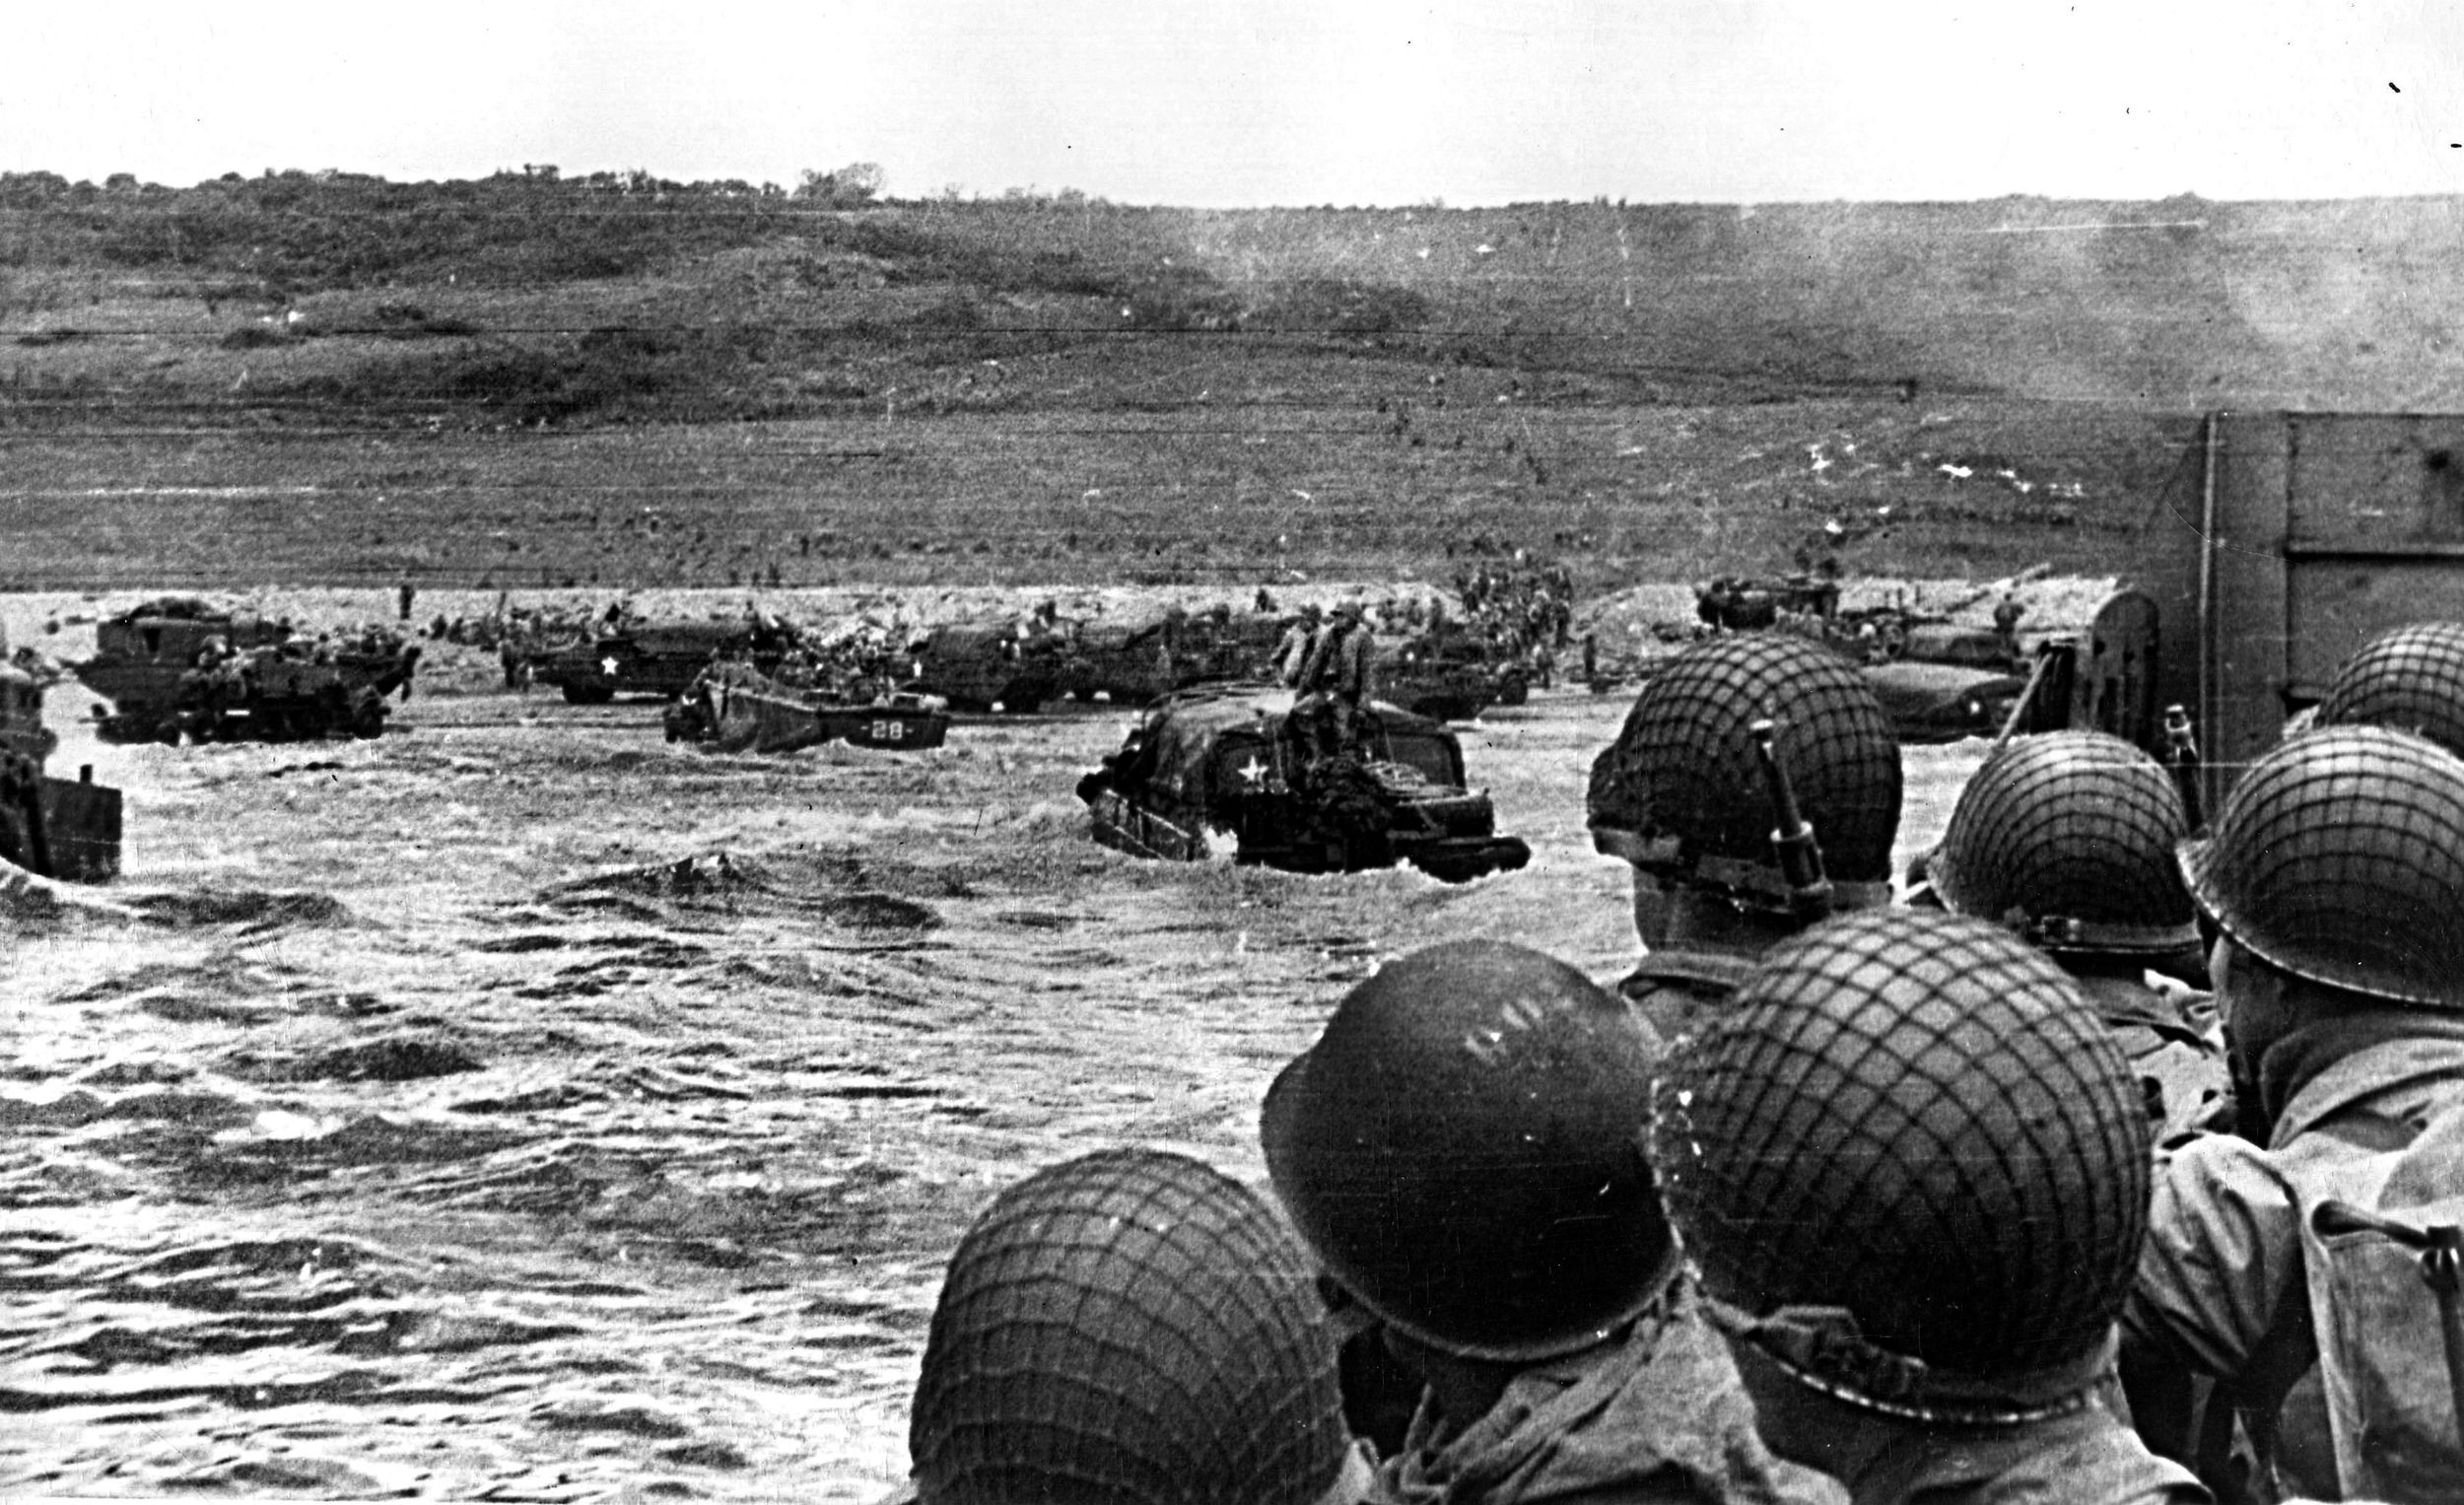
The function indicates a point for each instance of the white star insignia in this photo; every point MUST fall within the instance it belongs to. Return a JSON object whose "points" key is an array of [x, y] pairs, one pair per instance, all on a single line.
{"points": [[1252, 771], [607, 666]]}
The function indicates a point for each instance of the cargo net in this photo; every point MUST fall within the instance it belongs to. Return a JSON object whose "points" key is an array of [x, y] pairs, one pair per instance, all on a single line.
{"points": [[2070, 826], [1915, 1118], [2410, 679], [1128, 1327], [2340, 858], [1685, 764]]}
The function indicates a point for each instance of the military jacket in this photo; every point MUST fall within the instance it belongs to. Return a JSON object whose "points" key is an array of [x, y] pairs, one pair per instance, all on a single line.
{"points": [[2223, 1287], [1656, 1414], [2086, 1457]]}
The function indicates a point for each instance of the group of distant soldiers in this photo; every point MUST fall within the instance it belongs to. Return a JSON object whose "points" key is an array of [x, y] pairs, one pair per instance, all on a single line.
{"points": [[2116, 1161]]}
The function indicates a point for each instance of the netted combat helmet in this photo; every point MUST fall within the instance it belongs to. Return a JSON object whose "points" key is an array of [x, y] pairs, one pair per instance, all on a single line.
{"points": [[1913, 1166], [2410, 679], [1682, 793], [1128, 1328], [2068, 839], [2340, 858], [1462, 1148]]}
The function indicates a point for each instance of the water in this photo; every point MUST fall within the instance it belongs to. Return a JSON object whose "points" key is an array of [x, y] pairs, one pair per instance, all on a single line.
{"points": [[520, 1108]]}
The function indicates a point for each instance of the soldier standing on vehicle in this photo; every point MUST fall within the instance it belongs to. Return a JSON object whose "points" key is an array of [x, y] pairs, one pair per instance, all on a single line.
{"points": [[1291, 655], [1686, 797], [2067, 838], [1338, 683], [2336, 881], [1462, 1148], [1911, 1167], [1130, 1326]]}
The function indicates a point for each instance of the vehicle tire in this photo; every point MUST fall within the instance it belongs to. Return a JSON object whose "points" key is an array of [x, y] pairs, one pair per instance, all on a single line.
{"points": [[588, 695]]}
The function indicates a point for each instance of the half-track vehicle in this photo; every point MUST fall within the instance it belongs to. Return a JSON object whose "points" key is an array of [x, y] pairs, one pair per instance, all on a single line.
{"points": [[55, 828], [656, 658], [181, 664], [736, 707], [1225, 763]]}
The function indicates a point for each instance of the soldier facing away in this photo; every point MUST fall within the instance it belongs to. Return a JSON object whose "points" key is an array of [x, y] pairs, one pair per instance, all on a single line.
{"points": [[2336, 881], [1462, 1149], [1911, 1166], [2067, 838], [2411, 678], [1685, 796], [1130, 1327]]}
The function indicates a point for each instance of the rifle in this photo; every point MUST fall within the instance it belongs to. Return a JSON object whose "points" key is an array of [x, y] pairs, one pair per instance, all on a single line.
{"points": [[1792, 839]]}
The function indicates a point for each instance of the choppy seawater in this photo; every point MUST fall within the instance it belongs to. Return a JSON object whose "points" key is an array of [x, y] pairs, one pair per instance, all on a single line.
{"points": [[518, 1107]]}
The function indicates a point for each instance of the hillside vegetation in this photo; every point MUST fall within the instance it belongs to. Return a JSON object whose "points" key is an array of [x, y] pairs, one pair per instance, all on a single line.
{"points": [[530, 379]]}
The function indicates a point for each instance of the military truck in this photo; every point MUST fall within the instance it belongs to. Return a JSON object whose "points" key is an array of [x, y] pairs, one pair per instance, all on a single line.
{"points": [[276, 693], [1131, 661], [657, 659], [1225, 763], [55, 828], [1001, 663], [263, 679], [735, 708], [1451, 674]]}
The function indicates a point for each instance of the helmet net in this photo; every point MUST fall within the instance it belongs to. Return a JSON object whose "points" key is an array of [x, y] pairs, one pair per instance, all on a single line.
{"points": [[2076, 827], [1686, 765], [2410, 679], [1915, 1118], [2340, 858], [1129, 1327]]}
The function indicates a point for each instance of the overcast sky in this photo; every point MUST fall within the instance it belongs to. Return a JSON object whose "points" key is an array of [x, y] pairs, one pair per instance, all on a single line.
{"points": [[1279, 102]]}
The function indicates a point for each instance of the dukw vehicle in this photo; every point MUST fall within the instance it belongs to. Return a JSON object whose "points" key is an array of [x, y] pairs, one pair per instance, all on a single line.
{"points": [[1225, 765]]}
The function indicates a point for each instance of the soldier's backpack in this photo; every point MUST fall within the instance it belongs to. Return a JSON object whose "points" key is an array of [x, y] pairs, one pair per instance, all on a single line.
{"points": [[2382, 1239]]}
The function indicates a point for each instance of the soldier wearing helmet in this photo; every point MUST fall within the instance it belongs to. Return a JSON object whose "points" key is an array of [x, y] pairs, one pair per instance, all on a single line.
{"points": [[1337, 683], [1684, 794], [1130, 1327], [2335, 880], [1291, 655], [1910, 1165], [2410, 679], [1462, 1149], [2067, 838]]}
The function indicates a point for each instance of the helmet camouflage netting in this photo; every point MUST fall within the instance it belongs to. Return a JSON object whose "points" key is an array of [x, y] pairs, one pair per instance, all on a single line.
{"points": [[1685, 767], [1126, 1329], [2410, 679], [1915, 1118], [2340, 858], [2068, 838]]}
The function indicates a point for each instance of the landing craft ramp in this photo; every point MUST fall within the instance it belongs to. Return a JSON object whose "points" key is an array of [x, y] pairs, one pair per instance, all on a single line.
{"points": [[2287, 541]]}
